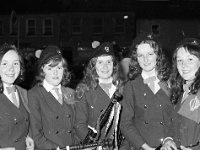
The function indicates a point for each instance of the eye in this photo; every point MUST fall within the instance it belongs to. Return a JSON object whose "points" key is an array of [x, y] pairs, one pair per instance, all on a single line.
{"points": [[60, 67], [139, 55], [4, 64], [16, 64]]}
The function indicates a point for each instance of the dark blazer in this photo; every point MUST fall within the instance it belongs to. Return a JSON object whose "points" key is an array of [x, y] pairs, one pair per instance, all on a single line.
{"points": [[51, 122], [186, 121], [89, 109], [14, 122], [146, 118]]}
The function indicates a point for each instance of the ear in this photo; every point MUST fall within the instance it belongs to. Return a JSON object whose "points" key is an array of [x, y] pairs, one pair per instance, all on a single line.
{"points": [[38, 53]]}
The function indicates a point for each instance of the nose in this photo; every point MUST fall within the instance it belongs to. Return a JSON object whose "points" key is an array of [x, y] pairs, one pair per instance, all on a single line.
{"points": [[55, 71], [184, 64], [145, 58], [105, 65], [11, 68]]}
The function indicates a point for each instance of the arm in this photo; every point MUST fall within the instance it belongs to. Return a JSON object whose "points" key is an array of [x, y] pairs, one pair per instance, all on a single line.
{"points": [[36, 122], [81, 118], [128, 128]]}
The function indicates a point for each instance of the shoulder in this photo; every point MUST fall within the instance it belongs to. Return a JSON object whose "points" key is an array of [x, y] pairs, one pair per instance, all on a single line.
{"points": [[21, 89], [35, 89], [69, 95]]}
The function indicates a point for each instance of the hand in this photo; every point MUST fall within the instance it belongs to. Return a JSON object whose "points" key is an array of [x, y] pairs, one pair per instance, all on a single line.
{"points": [[147, 147], [8, 148], [169, 145], [29, 143], [184, 148]]}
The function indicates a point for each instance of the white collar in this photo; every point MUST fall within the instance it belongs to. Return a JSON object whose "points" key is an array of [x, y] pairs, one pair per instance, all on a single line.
{"points": [[49, 87]]}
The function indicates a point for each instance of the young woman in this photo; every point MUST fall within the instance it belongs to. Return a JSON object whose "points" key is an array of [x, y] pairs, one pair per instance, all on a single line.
{"points": [[14, 112], [51, 103], [95, 92], [185, 86], [146, 106]]}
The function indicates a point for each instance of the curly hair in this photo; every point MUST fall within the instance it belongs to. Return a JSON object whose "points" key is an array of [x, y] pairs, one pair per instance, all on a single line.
{"points": [[176, 81], [3, 50], [162, 65], [90, 79], [54, 62]]}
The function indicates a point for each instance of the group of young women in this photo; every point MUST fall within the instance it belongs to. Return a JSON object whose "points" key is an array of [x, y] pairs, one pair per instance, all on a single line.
{"points": [[157, 107]]}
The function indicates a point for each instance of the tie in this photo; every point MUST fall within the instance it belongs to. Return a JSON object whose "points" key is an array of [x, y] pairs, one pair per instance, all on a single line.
{"points": [[106, 87], [150, 82], [186, 89], [11, 90], [59, 95]]}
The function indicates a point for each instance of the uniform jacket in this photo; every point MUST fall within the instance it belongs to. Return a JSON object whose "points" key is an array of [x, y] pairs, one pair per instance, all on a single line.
{"points": [[187, 121], [89, 109], [51, 122], [146, 118], [14, 122]]}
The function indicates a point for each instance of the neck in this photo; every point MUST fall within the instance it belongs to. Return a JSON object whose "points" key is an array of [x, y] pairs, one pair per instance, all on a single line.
{"points": [[108, 80], [150, 73]]}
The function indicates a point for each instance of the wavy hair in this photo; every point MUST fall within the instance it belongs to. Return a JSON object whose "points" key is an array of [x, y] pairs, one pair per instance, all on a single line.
{"points": [[176, 81], [90, 79], [162, 65], [54, 62], [3, 50]]}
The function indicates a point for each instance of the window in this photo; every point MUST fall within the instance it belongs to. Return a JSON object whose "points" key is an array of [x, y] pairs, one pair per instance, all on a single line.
{"points": [[97, 25], [14, 28], [119, 25], [76, 25], [1, 27], [30, 27], [155, 29], [48, 27]]}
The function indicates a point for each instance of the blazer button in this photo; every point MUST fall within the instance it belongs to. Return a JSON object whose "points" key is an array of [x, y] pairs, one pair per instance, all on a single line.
{"points": [[69, 131], [161, 123], [68, 116], [16, 140], [146, 122], [57, 117], [15, 120], [57, 132], [145, 106]]}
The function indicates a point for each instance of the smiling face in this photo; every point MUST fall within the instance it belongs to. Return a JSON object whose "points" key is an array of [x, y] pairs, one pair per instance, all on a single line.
{"points": [[10, 67], [53, 74], [146, 57], [104, 67], [187, 64]]}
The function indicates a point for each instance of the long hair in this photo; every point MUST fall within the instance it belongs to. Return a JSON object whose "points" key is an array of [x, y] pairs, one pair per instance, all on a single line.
{"points": [[54, 62], [162, 65], [3, 50], [176, 81], [90, 79]]}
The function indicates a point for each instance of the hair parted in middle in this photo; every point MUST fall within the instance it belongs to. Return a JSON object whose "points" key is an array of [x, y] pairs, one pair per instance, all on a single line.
{"points": [[162, 65]]}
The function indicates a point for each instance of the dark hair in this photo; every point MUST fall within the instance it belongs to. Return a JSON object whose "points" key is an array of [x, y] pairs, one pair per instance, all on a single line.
{"points": [[176, 81], [54, 62], [3, 50], [90, 79], [162, 65]]}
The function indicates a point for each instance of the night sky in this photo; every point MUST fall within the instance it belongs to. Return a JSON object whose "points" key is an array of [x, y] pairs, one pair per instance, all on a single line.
{"points": [[146, 8]]}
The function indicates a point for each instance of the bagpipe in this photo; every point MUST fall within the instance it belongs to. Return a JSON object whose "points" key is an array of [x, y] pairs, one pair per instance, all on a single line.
{"points": [[94, 133]]}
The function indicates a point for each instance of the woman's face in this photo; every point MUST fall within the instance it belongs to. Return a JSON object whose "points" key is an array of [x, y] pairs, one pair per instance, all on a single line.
{"points": [[187, 64], [146, 57], [53, 75], [10, 67], [104, 67]]}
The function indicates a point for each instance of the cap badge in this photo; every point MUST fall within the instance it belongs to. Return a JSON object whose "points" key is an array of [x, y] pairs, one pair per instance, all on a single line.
{"points": [[107, 49], [194, 42]]}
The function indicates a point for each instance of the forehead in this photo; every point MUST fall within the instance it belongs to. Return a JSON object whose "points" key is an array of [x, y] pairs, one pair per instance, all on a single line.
{"points": [[10, 55], [104, 58], [144, 48], [182, 52]]}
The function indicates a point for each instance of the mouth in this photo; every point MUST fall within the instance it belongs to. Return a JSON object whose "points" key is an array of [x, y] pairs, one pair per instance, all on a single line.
{"points": [[10, 75]]}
